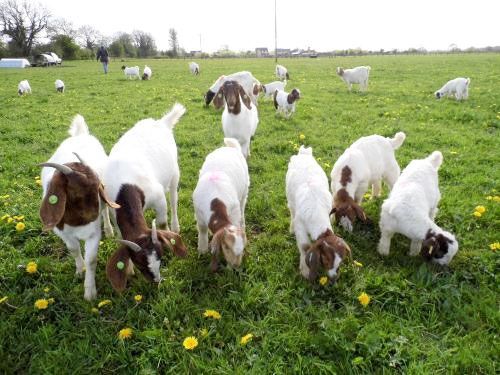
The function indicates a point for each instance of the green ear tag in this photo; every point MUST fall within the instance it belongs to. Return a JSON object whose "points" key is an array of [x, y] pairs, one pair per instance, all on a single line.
{"points": [[53, 199], [120, 265], [172, 241]]}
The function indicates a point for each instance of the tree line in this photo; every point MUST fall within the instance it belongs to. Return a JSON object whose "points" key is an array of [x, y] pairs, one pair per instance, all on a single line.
{"points": [[28, 29]]}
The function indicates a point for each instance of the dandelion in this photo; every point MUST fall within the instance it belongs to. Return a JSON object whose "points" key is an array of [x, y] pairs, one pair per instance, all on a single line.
{"points": [[496, 198], [6, 216], [3, 299], [245, 339], [364, 299], [41, 304], [19, 218], [367, 196], [125, 333], [10, 220], [51, 300], [480, 209], [302, 137], [477, 214], [211, 314], [327, 165], [138, 298], [103, 303], [46, 290], [94, 310], [495, 246], [190, 343], [31, 267], [20, 226], [489, 198], [323, 280], [356, 263]]}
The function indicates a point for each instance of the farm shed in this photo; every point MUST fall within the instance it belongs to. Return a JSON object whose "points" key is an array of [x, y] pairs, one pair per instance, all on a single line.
{"points": [[14, 63]]}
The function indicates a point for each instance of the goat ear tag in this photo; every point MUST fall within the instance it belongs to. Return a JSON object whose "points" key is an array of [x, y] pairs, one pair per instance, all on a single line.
{"points": [[53, 199], [172, 241], [431, 249], [120, 265], [219, 96]]}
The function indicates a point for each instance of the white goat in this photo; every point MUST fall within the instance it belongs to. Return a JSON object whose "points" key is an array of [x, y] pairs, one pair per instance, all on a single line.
{"points": [[24, 87], [282, 72], [219, 203], [366, 162], [270, 88], [285, 102], [147, 73], [250, 84], [459, 87], [411, 209], [359, 75], [194, 68], [131, 72], [59, 85], [72, 194], [240, 117], [142, 166], [310, 201]]}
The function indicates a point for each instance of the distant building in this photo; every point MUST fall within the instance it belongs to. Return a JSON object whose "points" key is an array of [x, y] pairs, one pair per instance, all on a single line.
{"points": [[283, 52], [261, 52], [195, 53]]}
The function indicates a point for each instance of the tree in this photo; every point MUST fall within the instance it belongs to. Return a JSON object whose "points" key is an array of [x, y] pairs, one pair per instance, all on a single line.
{"points": [[127, 45], [88, 37], [61, 26], [67, 47], [22, 22], [144, 43], [173, 41]]}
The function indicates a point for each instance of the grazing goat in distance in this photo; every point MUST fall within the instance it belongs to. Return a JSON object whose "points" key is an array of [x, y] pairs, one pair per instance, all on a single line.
{"points": [[59, 85], [359, 75], [219, 201], [73, 198], [411, 209], [366, 162], [458, 87], [142, 166], [282, 72], [285, 102], [147, 73], [132, 72], [194, 68], [23, 88], [309, 202]]}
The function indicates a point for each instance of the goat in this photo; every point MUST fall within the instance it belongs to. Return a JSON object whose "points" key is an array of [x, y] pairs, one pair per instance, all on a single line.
{"points": [[142, 166], [219, 201], [270, 88], [147, 73], [240, 117], [23, 88], [411, 209], [132, 72], [59, 85], [285, 102], [72, 194], [194, 68], [366, 162], [458, 87], [249, 83], [359, 75], [282, 72], [309, 202]]}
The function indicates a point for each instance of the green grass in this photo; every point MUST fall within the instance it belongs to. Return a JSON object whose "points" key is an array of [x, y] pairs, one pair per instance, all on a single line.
{"points": [[421, 318]]}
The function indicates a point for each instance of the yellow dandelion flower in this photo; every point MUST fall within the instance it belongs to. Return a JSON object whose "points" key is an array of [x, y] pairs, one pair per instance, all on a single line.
{"points": [[20, 226], [496, 198], [46, 290], [103, 303], [10, 220], [211, 314], [94, 310], [204, 332], [245, 339], [327, 165], [367, 196], [495, 246], [31, 267], [41, 304], [302, 137], [190, 343], [125, 333], [19, 218], [480, 209], [6, 216], [38, 182], [323, 280], [489, 198], [477, 214], [364, 299], [138, 298], [3, 299], [356, 263]]}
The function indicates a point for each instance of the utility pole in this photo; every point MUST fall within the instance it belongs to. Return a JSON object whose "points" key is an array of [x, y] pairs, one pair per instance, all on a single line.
{"points": [[200, 44], [275, 35]]}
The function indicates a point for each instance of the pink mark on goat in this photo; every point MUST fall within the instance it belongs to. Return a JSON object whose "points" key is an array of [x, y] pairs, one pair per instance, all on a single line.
{"points": [[214, 176]]}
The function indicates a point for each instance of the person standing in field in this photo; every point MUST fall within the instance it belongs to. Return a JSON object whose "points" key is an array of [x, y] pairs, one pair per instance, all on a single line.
{"points": [[102, 54]]}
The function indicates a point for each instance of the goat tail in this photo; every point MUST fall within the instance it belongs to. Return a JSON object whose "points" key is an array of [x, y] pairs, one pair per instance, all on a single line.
{"points": [[78, 126], [368, 67], [305, 150], [468, 81], [436, 159], [231, 142], [171, 118], [398, 140]]}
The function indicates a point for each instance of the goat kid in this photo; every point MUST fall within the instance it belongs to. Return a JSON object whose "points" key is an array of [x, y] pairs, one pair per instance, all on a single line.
{"points": [[132, 72], [359, 75], [285, 102], [249, 83], [458, 87], [23, 88], [147, 73]]}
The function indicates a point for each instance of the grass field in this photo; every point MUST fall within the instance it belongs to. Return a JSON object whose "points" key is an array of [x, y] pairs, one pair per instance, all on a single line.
{"points": [[421, 318]]}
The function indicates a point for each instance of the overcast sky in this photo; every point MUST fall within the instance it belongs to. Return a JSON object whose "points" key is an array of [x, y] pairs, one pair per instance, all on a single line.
{"points": [[323, 25]]}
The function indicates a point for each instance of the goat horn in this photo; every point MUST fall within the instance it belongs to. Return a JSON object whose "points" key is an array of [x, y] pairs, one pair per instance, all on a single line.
{"points": [[64, 169], [79, 158], [154, 233], [131, 245]]}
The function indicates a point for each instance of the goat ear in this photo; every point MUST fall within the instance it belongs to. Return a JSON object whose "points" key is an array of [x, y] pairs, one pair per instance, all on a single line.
{"points": [[116, 269], [54, 202], [256, 89], [245, 98], [360, 213], [219, 98], [313, 261], [105, 197], [333, 210], [216, 243], [173, 242]]}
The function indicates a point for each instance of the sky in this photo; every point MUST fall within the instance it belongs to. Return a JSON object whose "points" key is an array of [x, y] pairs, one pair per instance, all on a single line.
{"points": [[323, 25]]}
